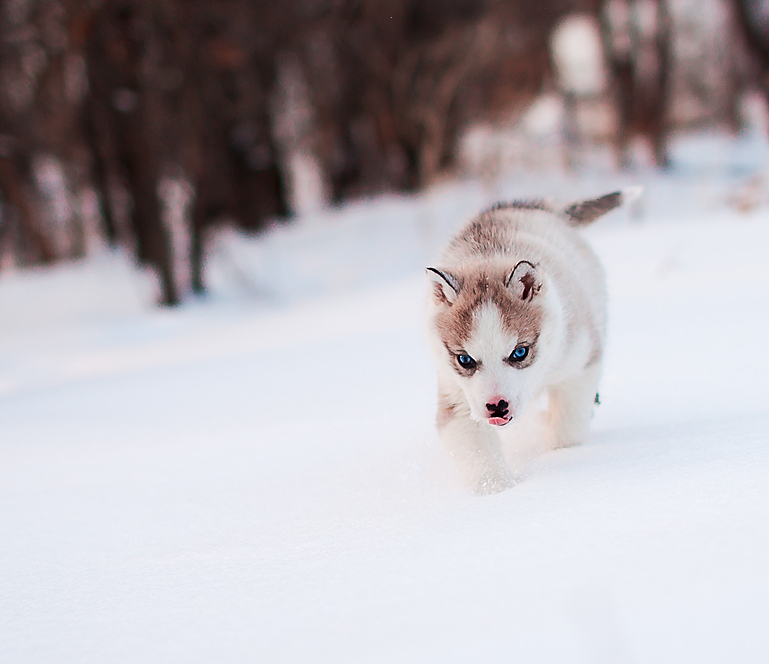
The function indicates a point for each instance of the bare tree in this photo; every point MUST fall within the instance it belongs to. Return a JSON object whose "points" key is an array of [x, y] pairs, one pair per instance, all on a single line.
{"points": [[233, 97], [637, 43], [753, 19]]}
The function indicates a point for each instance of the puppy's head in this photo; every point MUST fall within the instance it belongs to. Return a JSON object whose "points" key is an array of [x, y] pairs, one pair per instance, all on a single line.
{"points": [[490, 324]]}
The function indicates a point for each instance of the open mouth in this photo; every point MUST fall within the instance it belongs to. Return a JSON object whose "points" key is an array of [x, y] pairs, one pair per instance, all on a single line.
{"points": [[499, 421]]}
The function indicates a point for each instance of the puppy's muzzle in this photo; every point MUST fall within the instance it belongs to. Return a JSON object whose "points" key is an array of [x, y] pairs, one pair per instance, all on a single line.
{"points": [[498, 411]]}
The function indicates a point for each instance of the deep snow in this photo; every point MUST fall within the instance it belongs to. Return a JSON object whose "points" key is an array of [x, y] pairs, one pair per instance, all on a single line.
{"points": [[257, 478]]}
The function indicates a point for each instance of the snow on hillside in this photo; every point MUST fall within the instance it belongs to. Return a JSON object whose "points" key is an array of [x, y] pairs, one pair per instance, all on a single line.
{"points": [[256, 477]]}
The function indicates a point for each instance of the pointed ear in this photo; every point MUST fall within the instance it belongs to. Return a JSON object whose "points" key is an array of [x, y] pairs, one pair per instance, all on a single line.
{"points": [[525, 281], [584, 212], [445, 285]]}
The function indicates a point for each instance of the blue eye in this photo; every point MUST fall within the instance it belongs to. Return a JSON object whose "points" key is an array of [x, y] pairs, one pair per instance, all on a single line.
{"points": [[519, 353], [465, 361]]}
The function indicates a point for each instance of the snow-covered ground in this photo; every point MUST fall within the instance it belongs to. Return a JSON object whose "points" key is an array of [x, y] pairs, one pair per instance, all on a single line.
{"points": [[256, 477]]}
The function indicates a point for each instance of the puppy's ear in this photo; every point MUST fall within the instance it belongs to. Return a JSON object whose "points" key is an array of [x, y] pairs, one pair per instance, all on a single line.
{"points": [[445, 286], [525, 281], [582, 213]]}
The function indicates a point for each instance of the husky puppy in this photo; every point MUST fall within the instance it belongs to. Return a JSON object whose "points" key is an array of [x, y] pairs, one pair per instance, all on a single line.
{"points": [[517, 311]]}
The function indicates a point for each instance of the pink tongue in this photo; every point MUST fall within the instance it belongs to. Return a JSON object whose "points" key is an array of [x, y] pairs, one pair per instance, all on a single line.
{"points": [[498, 421]]}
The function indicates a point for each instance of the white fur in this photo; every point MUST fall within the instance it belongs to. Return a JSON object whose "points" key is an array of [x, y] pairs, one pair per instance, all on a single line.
{"points": [[566, 368]]}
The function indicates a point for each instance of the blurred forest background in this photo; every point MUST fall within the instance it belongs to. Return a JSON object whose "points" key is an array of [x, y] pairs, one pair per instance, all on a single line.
{"points": [[147, 122]]}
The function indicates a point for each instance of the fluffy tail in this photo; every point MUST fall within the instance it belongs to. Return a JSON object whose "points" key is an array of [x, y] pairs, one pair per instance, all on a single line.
{"points": [[584, 212]]}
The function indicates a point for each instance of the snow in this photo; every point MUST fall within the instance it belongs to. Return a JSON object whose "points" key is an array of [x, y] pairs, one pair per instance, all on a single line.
{"points": [[256, 476]]}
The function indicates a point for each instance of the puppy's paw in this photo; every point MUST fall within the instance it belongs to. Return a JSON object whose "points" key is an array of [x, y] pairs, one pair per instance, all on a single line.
{"points": [[493, 482]]}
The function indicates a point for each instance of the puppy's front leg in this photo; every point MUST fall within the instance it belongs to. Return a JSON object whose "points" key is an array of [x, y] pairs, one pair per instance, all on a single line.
{"points": [[473, 445], [571, 407]]}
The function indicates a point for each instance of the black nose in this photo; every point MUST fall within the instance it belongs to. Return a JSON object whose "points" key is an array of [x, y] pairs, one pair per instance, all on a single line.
{"points": [[498, 409]]}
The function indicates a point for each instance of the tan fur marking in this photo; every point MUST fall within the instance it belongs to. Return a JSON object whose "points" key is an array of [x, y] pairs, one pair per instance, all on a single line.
{"points": [[488, 233], [455, 323]]}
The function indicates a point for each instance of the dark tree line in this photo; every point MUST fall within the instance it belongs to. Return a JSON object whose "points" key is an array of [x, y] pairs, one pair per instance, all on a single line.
{"points": [[120, 93], [639, 58], [113, 96]]}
